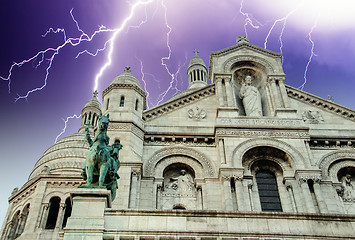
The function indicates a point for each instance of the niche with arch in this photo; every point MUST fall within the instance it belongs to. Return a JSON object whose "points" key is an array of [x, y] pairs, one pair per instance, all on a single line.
{"points": [[258, 79], [178, 190]]}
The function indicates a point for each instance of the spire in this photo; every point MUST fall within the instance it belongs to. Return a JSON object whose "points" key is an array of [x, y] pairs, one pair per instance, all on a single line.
{"points": [[197, 72]]}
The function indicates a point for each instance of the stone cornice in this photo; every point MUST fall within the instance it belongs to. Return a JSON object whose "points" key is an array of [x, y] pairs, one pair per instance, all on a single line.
{"points": [[321, 103], [178, 103], [123, 85]]}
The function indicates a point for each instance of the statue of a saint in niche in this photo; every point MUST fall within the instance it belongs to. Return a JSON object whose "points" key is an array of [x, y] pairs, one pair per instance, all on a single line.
{"points": [[182, 183], [347, 187], [251, 98]]}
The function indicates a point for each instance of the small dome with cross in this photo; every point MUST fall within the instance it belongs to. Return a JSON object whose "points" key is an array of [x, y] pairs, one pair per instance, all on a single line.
{"points": [[197, 72], [126, 77]]}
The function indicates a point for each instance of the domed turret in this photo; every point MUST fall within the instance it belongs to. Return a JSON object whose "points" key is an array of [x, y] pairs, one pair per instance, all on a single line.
{"points": [[90, 113], [197, 72], [124, 99]]}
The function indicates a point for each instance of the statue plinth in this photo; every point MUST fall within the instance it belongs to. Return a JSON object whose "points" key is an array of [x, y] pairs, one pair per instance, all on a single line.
{"points": [[87, 217]]}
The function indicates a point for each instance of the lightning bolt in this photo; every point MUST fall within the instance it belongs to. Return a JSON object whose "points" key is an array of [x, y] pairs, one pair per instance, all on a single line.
{"points": [[312, 52], [284, 20], [248, 19], [111, 41], [65, 125], [173, 81], [144, 83]]}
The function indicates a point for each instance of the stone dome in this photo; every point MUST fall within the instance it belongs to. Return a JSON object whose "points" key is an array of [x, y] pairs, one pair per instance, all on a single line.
{"points": [[196, 60], [65, 157], [93, 102], [126, 78]]}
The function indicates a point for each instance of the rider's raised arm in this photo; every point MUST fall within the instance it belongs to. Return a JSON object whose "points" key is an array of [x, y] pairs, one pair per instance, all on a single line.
{"points": [[88, 138]]}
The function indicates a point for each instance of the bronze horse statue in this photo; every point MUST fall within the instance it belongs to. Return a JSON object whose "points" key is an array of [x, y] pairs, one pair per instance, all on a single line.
{"points": [[101, 164]]}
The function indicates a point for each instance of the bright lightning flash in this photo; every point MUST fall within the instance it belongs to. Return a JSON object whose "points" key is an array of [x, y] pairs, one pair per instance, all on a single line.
{"points": [[65, 125]]}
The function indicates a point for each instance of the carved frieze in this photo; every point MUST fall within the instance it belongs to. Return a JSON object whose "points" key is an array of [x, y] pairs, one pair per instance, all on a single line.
{"points": [[263, 133], [260, 122]]}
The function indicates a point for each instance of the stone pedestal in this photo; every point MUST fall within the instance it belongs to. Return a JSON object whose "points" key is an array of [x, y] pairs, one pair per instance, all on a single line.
{"points": [[87, 218]]}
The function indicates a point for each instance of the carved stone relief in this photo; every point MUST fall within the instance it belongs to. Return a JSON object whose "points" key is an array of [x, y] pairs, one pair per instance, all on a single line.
{"points": [[197, 113], [313, 117]]}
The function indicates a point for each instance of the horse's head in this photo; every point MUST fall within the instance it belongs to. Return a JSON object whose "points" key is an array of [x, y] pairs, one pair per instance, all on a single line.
{"points": [[103, 122]]}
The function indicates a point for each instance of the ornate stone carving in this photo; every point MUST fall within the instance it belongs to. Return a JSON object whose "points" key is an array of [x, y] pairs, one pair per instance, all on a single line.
{"points": [[326, 161], [251, 98], [347, 191], [197, 114], [312, 117], [179, 151], [304, 179]]}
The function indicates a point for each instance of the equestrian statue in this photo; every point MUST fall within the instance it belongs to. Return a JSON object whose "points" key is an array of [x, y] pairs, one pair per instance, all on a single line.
{"points": [[102, 162]]}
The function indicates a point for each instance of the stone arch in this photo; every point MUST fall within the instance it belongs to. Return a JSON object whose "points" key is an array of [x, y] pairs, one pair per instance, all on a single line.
{"points": [[185, 160], [295, 157], [325, 163], [227, 65], [193, 157]]}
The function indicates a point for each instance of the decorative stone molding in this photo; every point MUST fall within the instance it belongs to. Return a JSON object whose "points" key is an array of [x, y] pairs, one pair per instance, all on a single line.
{"points": [[325, 162], [197, 113], [175, 140], [263, 133], [262, 122], [24, 194], [124, 86], [126, 127], [304, 179], [160, 155], [335, 144], [295, 157], [334, 168], [321, 103], [178, 103], [227, 66], [276, 78]]}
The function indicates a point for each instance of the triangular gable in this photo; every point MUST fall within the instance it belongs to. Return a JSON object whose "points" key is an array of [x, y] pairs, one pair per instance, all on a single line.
{"points": [[320, 103], [179, 102]]}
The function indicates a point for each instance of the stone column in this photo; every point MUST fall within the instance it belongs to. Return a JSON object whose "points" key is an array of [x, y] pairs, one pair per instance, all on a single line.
{"points": [[307, 195], [239, 193], [60, 216], [274, 93], [229, 91], [284, 92], [227, 193], [221, 151], [199, 198], [289, 189], [45, 214], [134, 186], [250, 193], [220, 92], [319, 196]]}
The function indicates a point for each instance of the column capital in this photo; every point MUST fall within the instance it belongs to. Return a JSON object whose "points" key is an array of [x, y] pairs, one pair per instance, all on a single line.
{"points": [[220, 76], [273, 78]]}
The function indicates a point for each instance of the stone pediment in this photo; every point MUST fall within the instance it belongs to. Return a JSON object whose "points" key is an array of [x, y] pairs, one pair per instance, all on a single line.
{"points": [[320, 103], [246, 46], [178, 101]]}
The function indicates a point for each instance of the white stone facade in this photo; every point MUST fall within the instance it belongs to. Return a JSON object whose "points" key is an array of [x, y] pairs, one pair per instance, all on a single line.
{"points": [[196, 167]]}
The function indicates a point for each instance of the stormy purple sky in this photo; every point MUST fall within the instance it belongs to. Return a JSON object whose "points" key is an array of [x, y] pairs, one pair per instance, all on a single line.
{"points": [[30, 126]]}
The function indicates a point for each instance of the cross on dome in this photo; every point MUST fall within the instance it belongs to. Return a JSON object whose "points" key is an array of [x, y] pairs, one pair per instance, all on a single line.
{"points": [[127, 69], [96, 93], [196, 51]]}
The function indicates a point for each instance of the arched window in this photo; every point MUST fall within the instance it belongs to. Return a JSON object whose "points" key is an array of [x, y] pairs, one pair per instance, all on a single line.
{"points": [[268, 191], [122, 101], [53, 212], [67, 212], [11, 234], [23, 220]]}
